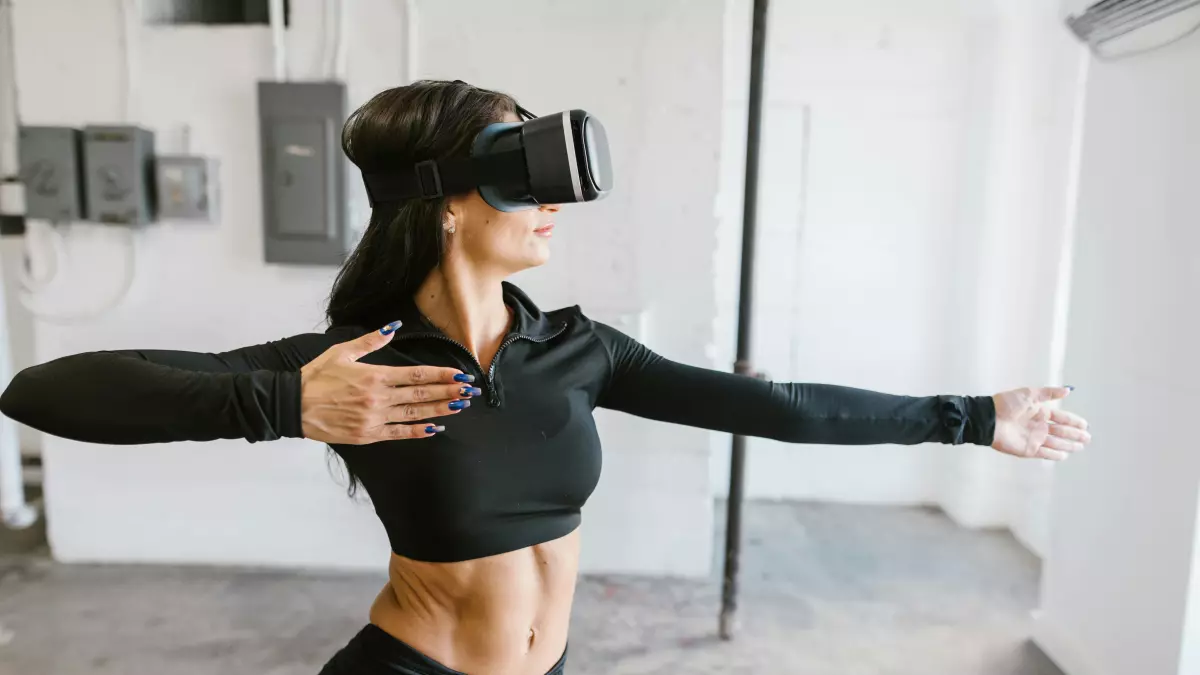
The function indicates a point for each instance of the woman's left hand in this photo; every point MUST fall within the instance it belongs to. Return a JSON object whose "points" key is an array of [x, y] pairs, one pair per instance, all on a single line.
{"points": [[1026, 425]]}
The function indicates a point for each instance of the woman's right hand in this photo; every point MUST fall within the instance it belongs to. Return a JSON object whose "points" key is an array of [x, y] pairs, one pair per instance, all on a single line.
{"points": [[349, 403]]}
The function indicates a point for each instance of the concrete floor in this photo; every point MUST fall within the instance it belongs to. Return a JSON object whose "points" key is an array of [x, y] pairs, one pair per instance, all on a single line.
{"points": [[825, 589]]}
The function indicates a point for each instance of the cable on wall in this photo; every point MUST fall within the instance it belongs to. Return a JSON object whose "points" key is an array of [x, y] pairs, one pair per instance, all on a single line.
{"points": [[69, 319], [27, 274], [45, 245]]}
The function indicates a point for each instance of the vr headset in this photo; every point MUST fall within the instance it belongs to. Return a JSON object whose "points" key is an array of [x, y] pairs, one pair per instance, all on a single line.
{"points": [[515, 166]]}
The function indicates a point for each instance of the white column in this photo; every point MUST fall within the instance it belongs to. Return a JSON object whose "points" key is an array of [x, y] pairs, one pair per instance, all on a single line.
{"points": [[1118, 591]]}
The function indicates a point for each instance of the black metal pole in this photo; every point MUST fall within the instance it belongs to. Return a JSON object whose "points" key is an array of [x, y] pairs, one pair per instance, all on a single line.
{"points": [[737, 460]]}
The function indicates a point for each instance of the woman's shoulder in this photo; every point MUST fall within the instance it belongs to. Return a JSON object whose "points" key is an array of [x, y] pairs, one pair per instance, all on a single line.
{"points": [[603, 329], [343, 333]]}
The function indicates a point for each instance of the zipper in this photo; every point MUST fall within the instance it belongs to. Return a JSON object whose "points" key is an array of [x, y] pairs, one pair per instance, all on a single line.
{"points": [[446, 338], [493, 395], [490, 375]]}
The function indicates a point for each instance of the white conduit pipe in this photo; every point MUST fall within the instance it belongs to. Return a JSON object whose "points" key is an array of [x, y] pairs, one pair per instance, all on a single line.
{"points": [[278, 46], [14, 511], [410, 41], [339, 43]]}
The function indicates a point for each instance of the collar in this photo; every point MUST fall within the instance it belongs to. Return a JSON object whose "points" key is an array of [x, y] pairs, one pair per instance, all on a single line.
{"points": [[528, 320]]}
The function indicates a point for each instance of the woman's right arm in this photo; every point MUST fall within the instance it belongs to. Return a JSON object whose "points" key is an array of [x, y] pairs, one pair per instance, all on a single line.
{"points": [[256, 393], [157, 396]]}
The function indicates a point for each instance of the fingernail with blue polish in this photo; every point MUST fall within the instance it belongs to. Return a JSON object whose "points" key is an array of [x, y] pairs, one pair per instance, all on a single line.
{"points": [[470, 391], [390, 328], [1070, 388], [459, 405], [463, 377], [431, 429]]}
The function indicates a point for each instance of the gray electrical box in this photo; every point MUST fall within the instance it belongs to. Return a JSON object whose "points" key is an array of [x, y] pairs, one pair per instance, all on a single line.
{"points": [[52, 171], [186, 187], [119, 174], [304, 172]]}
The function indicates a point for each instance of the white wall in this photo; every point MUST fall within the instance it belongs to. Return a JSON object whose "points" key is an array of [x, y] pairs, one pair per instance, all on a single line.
{"points": [[650, 70], [1120, 593], [882, 86], [937, 152]]}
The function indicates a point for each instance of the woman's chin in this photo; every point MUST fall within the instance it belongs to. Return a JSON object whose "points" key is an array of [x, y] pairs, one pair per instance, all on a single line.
{"points": [[534, 259], [540, 255]]}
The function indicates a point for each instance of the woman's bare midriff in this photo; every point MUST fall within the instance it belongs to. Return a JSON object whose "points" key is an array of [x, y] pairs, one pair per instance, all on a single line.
{"points": [[504, 615]]}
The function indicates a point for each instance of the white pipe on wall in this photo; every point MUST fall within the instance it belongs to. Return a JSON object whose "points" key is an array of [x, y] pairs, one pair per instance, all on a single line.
{"points": [[339, 45], [14, 511], [410, 41], [278, 44], [131, 13]]}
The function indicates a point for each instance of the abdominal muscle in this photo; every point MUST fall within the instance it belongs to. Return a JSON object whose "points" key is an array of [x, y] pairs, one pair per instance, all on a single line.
{"points": [[505, 614]]}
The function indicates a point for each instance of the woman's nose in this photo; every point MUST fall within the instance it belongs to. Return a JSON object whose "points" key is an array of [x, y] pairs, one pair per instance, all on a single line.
{"points": [[549, 208]]}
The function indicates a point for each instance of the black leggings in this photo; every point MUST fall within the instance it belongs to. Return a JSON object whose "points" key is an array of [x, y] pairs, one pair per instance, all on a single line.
{"points": [[374, 652]]}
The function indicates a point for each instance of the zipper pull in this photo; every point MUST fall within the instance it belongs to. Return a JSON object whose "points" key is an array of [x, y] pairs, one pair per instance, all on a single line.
{"points": [[493, 392]]}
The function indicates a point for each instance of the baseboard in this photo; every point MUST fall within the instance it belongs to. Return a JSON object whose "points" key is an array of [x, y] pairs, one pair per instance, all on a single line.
{"points": [[1062, 648]]}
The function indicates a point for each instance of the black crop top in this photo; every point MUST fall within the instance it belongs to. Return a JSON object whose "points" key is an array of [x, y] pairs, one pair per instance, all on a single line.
{"points": [[509, 472]]}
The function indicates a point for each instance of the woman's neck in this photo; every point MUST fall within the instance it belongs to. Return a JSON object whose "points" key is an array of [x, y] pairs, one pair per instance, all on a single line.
{"points": [[466, 306]]}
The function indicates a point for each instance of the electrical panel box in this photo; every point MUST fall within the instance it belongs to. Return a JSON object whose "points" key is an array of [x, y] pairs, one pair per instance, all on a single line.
{"points": [[119, 174], [52, 171], [304, 172], [186, 187]]}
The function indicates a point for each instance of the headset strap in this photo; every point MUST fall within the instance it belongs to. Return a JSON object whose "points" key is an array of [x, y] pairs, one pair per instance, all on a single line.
{"points": [[437, 178]]}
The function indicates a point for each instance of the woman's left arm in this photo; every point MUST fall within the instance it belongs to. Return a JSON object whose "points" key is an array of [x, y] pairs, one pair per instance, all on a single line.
{"points": [[645, 384]]}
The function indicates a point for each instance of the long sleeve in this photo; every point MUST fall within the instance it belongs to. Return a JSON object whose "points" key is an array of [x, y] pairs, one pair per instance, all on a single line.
{"points": [[158, 396], [645, 384]]}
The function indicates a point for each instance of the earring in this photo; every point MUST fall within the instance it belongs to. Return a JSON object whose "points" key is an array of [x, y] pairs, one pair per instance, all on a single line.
{"points": [[450, 230]]}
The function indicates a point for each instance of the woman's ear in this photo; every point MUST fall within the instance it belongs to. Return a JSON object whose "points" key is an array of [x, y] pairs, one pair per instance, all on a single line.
{"points": [[451, 216]]}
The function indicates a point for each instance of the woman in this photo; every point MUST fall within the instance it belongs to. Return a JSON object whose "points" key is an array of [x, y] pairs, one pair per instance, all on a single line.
{"points": [[483, 515]]}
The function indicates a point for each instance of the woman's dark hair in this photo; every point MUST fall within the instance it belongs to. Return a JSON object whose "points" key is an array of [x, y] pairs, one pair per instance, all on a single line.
{"points": [[403, 241]]}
